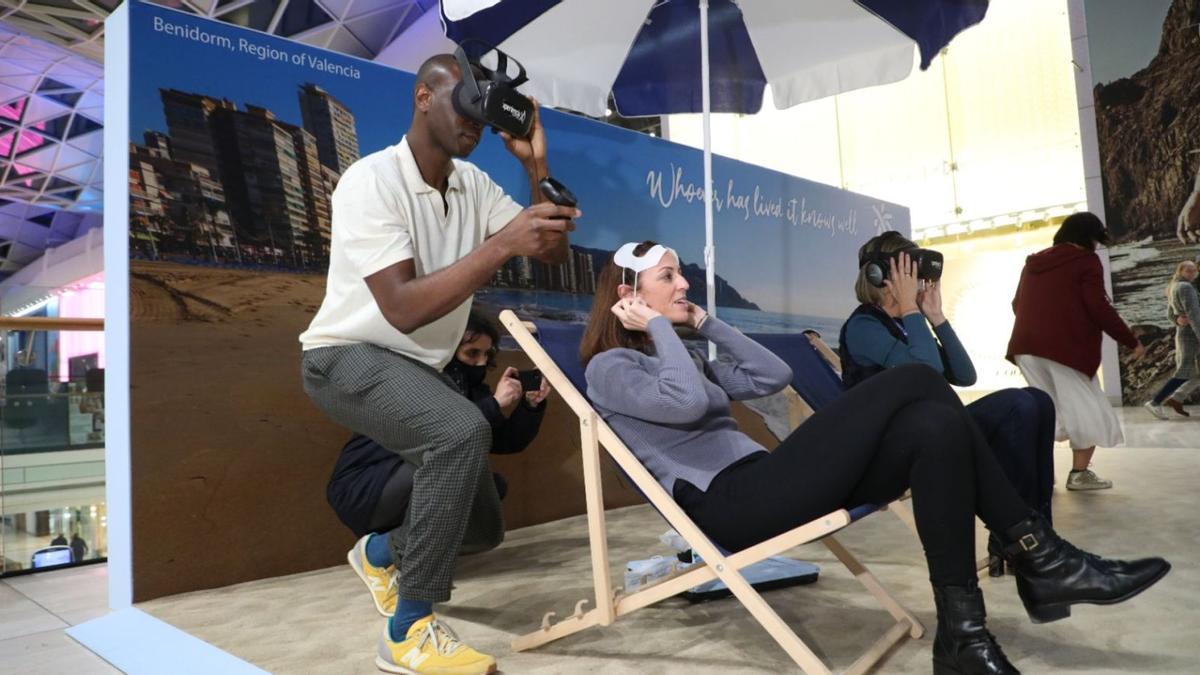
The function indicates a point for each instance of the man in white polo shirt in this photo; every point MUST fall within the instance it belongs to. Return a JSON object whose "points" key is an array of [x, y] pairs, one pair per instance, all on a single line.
{"points": [[415, 232]]}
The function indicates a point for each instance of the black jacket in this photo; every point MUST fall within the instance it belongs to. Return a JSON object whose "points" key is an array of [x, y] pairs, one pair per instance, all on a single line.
{"points": [[510, 434]]}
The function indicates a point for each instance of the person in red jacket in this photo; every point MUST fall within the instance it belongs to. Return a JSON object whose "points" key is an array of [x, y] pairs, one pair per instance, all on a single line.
{"points": [[1062, 312]]}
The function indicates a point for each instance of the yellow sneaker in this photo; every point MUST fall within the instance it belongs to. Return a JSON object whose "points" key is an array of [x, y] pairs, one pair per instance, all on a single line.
{"points": [[431, 648], [380, 581]]}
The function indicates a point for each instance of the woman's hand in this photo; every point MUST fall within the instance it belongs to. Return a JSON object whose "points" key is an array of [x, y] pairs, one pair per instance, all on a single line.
{"points": [[1181, 321], [534, 398], [508, 389], [902, 282], [930, 302], [634, 314], [696, 315]]}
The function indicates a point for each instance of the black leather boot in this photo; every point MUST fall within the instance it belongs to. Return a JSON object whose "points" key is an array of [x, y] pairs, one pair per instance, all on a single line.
{"points": [[1052, 574], [996, 559], [963, 644]]}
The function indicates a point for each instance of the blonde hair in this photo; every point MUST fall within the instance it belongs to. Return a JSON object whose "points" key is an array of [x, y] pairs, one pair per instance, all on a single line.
{"points": [[865, 291], [1176, 278]]}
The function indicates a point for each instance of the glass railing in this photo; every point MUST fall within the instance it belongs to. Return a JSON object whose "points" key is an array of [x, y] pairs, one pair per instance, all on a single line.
{"points": [[68, 419], [52, 502]]}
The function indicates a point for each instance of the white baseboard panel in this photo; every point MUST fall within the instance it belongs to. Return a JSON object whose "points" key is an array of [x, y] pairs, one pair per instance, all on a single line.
{"points": [[135, 643]]}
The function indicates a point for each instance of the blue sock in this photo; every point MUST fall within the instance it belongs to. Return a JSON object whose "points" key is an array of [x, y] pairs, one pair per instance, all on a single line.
{"points": [[379, 553], [408, 612]]}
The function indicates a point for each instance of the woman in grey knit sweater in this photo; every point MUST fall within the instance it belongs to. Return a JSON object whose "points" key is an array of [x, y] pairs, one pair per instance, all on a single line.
{"points": [[1183, 309], [903, 429]]}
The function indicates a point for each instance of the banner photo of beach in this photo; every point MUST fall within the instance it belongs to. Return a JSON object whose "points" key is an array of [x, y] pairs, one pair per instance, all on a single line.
{"points": [[1144, 65], [238, 139], [236, 172]]}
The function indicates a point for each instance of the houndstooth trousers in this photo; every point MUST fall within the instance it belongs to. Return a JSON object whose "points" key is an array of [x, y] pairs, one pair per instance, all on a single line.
{"points": [[409, 408]]}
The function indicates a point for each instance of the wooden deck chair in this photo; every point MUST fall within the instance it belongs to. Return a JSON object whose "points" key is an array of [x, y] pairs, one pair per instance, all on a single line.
{"points": [[609, 605], [814, 384]]}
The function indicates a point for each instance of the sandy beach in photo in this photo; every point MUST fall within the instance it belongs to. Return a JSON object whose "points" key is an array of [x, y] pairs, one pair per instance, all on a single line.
{"points": [[228, 452]]}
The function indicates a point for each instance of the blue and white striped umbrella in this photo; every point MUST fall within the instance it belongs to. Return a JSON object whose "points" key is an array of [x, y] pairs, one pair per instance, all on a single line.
{"points": [[679, 56]]}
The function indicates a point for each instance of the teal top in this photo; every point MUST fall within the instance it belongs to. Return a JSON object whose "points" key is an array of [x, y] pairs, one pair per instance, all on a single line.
{"points": [[872, 344]]}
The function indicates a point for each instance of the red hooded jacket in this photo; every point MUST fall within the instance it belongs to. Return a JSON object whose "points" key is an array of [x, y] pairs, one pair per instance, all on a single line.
{"points": [[1062, 309]]}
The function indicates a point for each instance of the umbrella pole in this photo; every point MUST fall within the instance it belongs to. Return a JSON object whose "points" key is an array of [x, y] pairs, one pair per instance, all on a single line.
{"points": [[710, 253]]}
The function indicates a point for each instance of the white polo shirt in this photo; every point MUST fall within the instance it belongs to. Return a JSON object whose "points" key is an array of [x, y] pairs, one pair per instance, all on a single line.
{"points": [[383, 213]]}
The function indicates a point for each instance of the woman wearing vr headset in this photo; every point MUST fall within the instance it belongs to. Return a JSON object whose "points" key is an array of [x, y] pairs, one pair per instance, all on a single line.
{"points": [[903, 429], [892, 327], [1062, 312]]}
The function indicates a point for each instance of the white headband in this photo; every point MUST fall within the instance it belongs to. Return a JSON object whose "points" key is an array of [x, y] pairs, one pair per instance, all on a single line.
{"points": [[628, 260]]}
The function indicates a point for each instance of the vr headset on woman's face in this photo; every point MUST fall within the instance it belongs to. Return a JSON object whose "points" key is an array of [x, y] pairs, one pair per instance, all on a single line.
{"points": [[877, 264], [489, 96]]}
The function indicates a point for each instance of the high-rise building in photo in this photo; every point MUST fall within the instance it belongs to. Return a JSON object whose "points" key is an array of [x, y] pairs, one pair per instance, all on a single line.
{"points": [[147, 210], [332, 123], [263, 184], [268, 175], [189, 118], [317, 193], [192, 201]]}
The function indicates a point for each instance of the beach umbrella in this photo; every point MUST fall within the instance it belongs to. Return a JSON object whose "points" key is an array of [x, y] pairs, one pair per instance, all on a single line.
{"points": [[704, 56]]}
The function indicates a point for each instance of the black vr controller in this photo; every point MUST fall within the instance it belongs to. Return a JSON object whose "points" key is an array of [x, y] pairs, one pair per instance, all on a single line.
{"points": [[557, 193], [876, 264], [491, 100]]}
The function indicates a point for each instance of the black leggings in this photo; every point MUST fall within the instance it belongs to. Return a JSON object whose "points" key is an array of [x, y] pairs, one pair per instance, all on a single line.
{"points": [[904, 428]]}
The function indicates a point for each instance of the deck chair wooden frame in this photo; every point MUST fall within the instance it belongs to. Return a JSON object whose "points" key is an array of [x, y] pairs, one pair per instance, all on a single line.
{"points": [[609, 605]]}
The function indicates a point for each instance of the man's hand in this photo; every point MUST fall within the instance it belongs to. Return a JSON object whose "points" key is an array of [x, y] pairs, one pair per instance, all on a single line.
{"points": [[530, 151], [1181, 321], [508, 389], [1139, 351], [539, 230], [634, 314]]}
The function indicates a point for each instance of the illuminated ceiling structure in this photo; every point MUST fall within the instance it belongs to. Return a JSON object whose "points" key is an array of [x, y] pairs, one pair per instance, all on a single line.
{"points": [[356, 27], [51, 137], [52, 97]]}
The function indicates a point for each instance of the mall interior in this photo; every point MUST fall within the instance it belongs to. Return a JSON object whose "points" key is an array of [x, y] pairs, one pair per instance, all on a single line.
{"points": [[169, 218]]}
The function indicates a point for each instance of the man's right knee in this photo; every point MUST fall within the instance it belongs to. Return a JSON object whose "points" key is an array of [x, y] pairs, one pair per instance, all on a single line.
{"points": [[470, 437]]}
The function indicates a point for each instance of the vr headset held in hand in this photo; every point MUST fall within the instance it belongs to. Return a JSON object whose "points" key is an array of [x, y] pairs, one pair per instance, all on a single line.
{"points": [[488, 96], [493, 101], [876, 264]]}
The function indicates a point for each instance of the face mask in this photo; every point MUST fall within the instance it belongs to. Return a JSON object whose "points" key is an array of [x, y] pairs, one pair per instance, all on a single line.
{"points": [[473, 375], [628, 260]]}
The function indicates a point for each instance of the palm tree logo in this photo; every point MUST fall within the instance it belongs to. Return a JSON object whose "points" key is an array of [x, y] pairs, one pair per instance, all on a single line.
{"points": [[883, 219]]}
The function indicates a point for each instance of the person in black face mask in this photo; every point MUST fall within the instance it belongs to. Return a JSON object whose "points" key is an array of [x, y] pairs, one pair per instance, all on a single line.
{"points": [[370, 486], [476, 353]]}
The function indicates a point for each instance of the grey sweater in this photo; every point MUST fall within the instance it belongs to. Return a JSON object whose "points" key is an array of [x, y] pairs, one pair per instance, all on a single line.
{"points": [[672, 407], [1185, 302]]}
